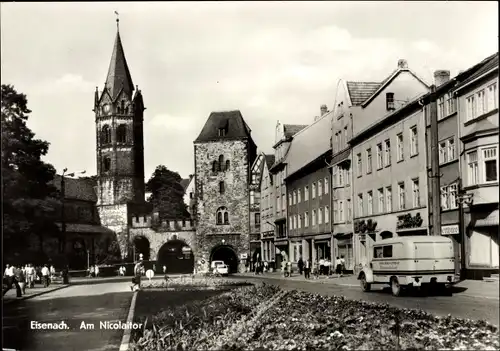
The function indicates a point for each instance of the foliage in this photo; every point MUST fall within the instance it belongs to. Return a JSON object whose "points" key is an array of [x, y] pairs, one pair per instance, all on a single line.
{"points": [[304, 321], [167, 194], [29, 199], [190, 281]]}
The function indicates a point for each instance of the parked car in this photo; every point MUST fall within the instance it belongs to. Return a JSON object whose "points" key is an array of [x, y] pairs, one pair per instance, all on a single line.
{"points": [[410, 261], [219, 267]]}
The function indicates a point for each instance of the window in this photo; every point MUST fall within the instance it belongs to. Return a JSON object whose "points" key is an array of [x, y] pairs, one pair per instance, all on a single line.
{"points": [[481, 103], [387, 251], [320, 215], [290, 222], [313, 219], [326, 186], [252, 197], [360, 205], [451, 104], [360, 165], [299, 196], [349, 210], [283, 203], [380, 160], [257, 219], [490, 164], [290, 199], [341, 177], [348, 175], [400, 147], [492, 98], [313, 190], [335, 211], [345, 135], [471, 108], [387, 146], [341, 211], [381, 200], [440, 109], [121, 133], [389, 101], [222, 216], [472, 168], [369, 210], [413, 141], [416, 193], [402, 198], [295, 225], [278, 203], [105, 134], [388, 199], [295, 197], [300, 221], [106, 164], [327, 214], [447, 151], [306, 219], [222, 132], [335, 170], [306, 193], [221, 188], [368, 161], [320, 187], [215, 166], [221, 163], [449, 197], [228, 164]]}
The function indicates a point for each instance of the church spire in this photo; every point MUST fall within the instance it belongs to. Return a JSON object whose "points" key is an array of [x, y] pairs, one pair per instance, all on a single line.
{"points": [[118, 74]]}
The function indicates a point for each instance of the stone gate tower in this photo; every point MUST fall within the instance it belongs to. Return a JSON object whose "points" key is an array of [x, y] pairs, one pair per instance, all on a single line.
{"points": [[120, 147], [224, 152]]}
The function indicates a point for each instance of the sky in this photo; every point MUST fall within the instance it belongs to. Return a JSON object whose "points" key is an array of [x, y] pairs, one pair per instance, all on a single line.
{"points": [[270, 60]]}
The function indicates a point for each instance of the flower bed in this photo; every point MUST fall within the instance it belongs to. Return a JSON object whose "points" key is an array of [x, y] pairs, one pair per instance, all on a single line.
{"points": [[193, 326], [191, 282], [305, 321]]}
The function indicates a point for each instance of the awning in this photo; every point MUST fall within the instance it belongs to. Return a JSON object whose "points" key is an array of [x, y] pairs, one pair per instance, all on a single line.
{"points": [[403, 231], [281, 243], [490, 221], [85, 228]]}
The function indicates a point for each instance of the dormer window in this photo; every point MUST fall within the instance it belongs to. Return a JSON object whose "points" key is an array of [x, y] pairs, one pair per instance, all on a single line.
{"points": [[389, 101], [222, 132]]}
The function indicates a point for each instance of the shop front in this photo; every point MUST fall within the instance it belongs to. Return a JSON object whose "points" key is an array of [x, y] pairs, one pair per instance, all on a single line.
{"points": [[452, 231], [281, 252], [269, 252], [345, 249]]}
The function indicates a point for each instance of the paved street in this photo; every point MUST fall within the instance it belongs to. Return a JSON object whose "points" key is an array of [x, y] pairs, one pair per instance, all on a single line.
{"points": [[88, 303], [460, 304]]}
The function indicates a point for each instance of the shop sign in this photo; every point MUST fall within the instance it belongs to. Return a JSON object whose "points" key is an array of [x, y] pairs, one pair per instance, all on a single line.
{"points": [[450, 229], [243, 256]]}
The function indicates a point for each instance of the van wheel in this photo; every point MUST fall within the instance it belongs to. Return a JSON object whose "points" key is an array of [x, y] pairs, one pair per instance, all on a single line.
{"points": [[395, 287], [364, 285]]}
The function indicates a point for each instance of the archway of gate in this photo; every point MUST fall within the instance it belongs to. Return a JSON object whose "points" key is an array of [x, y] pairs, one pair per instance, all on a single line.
{"points": [[227, 254], [176, 256]]}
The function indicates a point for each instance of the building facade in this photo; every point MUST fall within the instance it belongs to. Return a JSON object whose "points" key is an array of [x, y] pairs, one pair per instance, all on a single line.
{"points": [[267, 204], [478, 129], [283, 138], [224, 153], [358, 107], [255, 204]]}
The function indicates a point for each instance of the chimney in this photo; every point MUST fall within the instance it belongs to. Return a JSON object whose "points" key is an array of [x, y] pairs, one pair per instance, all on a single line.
{"points": [[402, 64], [441, 77], [324, 110]]}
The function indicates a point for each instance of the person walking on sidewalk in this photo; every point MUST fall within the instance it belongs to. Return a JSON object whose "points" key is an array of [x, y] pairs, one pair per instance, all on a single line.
{"points": [[307, 268], [342, 264], [21, 279], [45, 276], [338, 267], [300, 265], [10, 273], [136, 280]]}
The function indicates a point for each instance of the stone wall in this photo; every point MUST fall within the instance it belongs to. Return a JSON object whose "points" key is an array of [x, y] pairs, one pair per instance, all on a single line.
{"points": [[115, 218], [235, 198]]}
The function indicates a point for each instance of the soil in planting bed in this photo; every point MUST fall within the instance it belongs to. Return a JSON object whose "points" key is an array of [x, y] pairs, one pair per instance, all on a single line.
{"points": [[151, 301]]}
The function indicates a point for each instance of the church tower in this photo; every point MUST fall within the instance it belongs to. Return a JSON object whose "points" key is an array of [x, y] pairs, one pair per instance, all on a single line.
{"points": [[119, 112]]}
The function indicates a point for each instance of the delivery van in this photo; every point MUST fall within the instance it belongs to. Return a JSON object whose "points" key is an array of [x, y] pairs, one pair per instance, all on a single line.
{"points": [[410, 261]]}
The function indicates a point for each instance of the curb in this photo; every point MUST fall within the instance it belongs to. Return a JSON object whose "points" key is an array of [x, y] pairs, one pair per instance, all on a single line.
{"points": [[125, 344], [9, 301]]}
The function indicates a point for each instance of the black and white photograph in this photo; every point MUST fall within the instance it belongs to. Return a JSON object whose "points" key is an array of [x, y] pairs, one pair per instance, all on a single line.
{"points": [[250, 175]]}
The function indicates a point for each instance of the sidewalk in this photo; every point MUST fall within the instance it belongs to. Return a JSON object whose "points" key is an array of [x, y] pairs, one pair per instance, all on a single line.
{"points": [[489, 289], [10, 296]]}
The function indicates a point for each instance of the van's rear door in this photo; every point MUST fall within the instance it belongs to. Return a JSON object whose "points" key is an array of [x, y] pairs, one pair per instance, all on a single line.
{"points": [[424, 257], [444, 256]]}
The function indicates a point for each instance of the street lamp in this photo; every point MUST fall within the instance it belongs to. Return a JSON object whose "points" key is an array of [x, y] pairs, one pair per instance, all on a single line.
{"points": [[462, 198], [63, 195]]}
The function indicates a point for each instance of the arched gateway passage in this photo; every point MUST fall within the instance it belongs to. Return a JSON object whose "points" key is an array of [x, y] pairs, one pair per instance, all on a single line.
{"points": [[141, 246], [176, 256], [225, 253]]}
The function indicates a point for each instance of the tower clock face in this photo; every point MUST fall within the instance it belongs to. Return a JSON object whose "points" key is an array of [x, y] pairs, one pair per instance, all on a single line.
{"points": [[106, 108]]}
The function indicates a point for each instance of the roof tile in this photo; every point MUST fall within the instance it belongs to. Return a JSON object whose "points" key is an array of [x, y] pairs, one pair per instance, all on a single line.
{"points": [[361, 91], [231, 120]]}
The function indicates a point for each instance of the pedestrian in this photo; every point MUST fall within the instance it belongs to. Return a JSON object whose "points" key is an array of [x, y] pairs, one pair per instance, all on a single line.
{"points": [[45, 276], [164, 269], [322, 266], [30, 276], [91, 271], [342, 264], [52, 272], [96, 270], [21, 279], [307, 268], [136, 280], [65, 275], [300, 265], [328, 266], [338, 267]]}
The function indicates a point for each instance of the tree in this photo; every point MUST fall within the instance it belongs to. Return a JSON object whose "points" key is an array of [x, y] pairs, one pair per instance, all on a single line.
{"points": [[167, 194], [29, 199]]}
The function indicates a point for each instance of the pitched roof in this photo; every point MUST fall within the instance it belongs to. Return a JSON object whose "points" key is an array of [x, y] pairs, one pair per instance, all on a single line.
{"points": [[292, 129], [269, 160], [361, 91], [118, 73], [77, 188], [232, 121], [309, 144], [484, 66]]}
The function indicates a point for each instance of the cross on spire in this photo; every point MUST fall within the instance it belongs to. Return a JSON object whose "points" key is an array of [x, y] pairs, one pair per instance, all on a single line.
{"points": [[117, 21]]}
